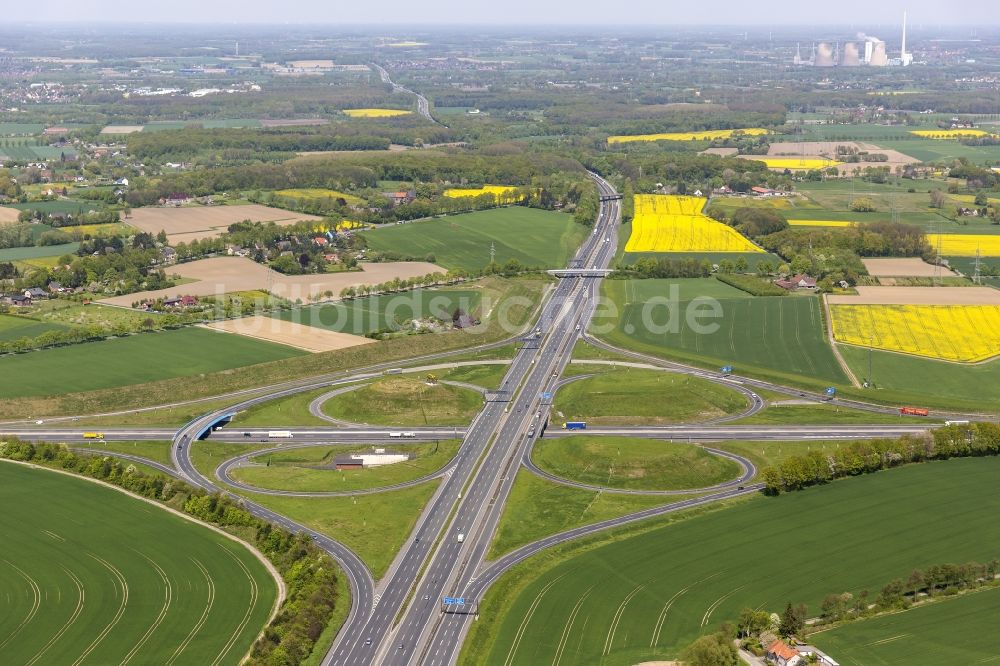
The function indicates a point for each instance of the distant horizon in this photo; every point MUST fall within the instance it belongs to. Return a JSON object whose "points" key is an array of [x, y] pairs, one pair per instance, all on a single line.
{"points": [[647, 14]]}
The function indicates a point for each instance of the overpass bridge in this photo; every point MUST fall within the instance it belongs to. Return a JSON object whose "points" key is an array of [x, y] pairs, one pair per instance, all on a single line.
{"points": [[581, 272]]}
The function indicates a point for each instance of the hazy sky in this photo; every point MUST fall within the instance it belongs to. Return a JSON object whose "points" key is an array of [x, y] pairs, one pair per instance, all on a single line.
{"points": [[552, 12]]}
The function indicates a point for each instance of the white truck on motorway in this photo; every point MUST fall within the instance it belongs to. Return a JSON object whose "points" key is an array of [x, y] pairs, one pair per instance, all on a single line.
{"points": [[279, 434], [461, 537]]}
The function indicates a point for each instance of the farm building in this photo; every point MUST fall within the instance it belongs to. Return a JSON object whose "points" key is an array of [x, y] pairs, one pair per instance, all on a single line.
{"points": [[800, 281], [375, 458], [781, 654]]}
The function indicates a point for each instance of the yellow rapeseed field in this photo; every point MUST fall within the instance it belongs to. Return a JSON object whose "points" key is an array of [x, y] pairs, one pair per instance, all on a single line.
{"points": [[707, 135], [964, 333], [318, 193], [948, 134], [345, 225], [965, 245], [820, 223], [376, 113], [796, 163], [499, 191], [666, 223]]}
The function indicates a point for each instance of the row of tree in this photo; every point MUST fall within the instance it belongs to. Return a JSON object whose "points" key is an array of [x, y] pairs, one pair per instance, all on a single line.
{"points": [[854, 458], [310, 575]]}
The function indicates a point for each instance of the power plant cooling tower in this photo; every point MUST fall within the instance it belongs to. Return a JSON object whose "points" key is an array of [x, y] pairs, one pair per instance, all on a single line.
{"points": [[824, 55], [852, 58]]}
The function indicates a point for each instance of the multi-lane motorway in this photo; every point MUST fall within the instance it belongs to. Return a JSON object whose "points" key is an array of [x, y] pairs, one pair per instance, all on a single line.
{"points": [[423, 106], [403, 620]]}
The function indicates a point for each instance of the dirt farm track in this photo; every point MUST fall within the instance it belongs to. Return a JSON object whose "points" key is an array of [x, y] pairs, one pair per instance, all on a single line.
{"points": [[919, 296], [223, 275]]}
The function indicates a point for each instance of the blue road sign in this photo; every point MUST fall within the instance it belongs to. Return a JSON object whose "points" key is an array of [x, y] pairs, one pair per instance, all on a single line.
{"points": [[727, 368], [546, 396], [831, 391], [454, 601]]}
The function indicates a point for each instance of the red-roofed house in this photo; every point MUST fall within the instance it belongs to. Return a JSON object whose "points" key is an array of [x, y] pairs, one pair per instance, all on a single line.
{"points": [[763, 192], [781, 654], [800, 281], [321, 241], [402, 197]]}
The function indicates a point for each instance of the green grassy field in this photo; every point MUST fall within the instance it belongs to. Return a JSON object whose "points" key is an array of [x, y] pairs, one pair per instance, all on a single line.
{"points": [[89, 577], [959, 630], [158, 451], [131, 360], [778, 337], [306, 469], [290, 411], [647, 596], [405, 401], [534, 237], [366, 315], [373, 526], [13, 327], [818, 414], [487, 376], [73, 206], [633, 463], [643, 397], [14, 129], [537, 508], [33, 252], [903, 378]]}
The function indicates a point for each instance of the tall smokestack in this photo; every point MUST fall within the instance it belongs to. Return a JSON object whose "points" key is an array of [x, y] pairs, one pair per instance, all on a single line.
{"points": [[904, 57]]}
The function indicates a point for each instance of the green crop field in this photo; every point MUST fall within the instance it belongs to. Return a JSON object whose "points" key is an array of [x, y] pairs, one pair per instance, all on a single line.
{"points": [[32, 252], [905, 378], [366, 315], [647, 596], [632, 463], [644, 397], [959, 630], [405, 401], [13, 327], [15, 129], [309, 468], [131, 360], [536, 238], [96, 575], [779, 337], [899, 138], [73, 206]]}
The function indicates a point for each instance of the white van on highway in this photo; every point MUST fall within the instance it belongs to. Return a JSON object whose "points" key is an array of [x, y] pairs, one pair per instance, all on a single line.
{"points": [[461, 537]]}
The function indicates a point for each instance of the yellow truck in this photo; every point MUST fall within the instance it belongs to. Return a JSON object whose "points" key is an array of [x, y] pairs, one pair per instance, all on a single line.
{"points": [[93, 435]]}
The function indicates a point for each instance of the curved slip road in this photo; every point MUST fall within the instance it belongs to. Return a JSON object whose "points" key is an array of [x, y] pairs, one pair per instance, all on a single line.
{"points": [[224, 473], [747, 471]]}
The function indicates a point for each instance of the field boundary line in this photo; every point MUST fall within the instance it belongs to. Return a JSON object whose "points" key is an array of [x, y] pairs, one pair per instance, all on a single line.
{"points": [[279, 581], [828, 324]]}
